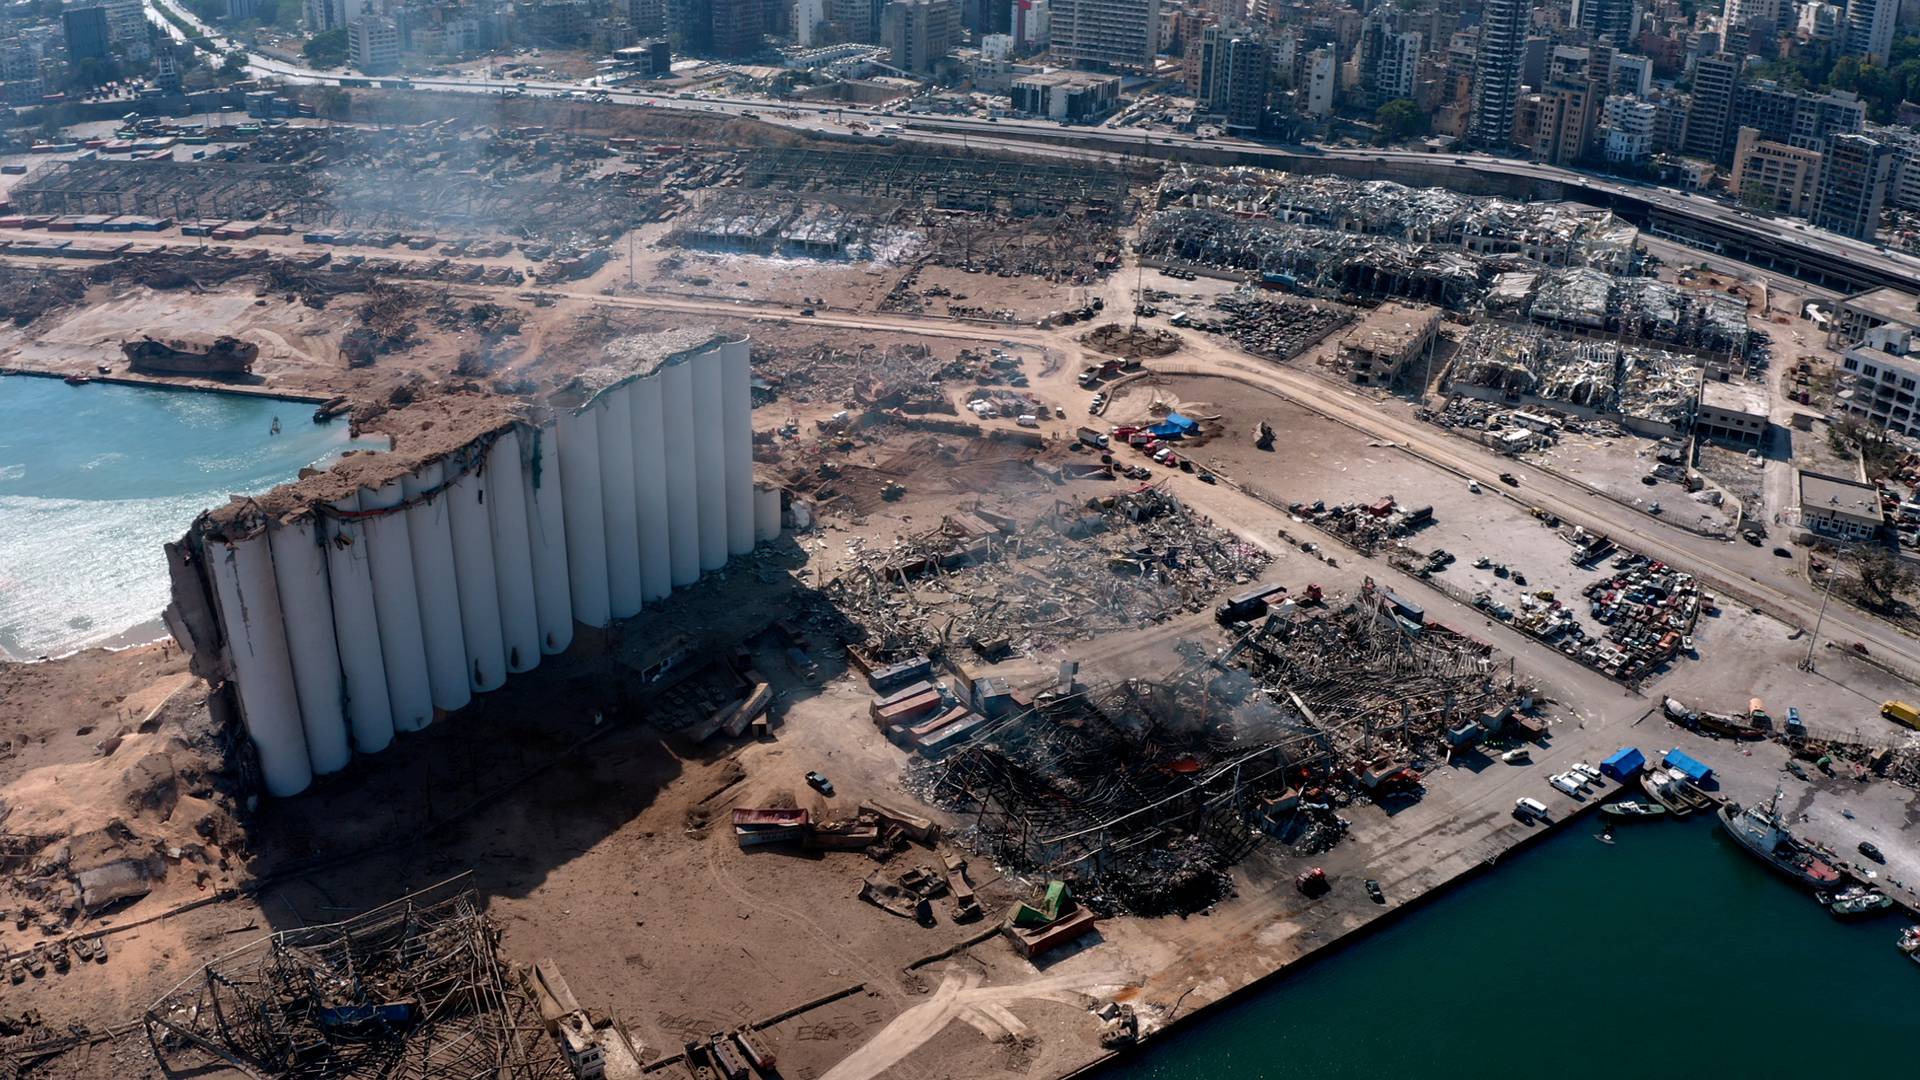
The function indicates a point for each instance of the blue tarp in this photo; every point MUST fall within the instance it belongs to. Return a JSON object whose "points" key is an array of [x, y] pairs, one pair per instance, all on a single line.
{"points": [[1174, 426], [1693, 770], [1624, 763]]}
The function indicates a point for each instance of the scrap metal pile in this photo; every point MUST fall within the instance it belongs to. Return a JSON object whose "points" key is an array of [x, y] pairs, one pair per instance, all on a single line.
{"points": [[1115, 563], [1604, 377], [1281, 329], [1144, 792], [412, 989]]}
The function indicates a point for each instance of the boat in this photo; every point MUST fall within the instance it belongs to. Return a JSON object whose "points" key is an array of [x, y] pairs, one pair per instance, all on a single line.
{"points": [[1760, 831], [1661, 788], [223, 355], [1909, 942], [1633, 811], [1857, 903]]}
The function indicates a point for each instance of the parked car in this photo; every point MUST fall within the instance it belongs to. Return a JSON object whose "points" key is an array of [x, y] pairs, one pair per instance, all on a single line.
{"points": [[1872, 852]]}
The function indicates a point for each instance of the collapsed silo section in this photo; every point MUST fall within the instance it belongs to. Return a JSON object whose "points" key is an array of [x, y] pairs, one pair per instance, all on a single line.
{"points": [[306, 609], [512, 554], [356, 627], [766, 512], [547, 538], [430, 534], [255, 631], [736, 415]]}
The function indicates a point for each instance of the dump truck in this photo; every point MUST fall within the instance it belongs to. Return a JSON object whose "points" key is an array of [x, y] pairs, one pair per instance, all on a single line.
{"points": [[1901, 713], [1094, 438]]}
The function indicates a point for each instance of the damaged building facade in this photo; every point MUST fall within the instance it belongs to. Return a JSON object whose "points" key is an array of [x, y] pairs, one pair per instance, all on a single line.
{"points": [[1371, 238], [363, 601]]}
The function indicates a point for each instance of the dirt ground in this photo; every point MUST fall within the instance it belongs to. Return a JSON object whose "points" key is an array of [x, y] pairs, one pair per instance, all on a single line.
{"points": [[1615, 464]]}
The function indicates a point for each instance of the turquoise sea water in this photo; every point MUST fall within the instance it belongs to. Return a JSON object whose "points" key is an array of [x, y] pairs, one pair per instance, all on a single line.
{"points": [[95, 478], [1669, 954]]}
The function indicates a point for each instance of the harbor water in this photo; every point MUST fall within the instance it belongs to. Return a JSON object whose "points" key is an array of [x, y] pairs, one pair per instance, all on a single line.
{"points": [[95, 478], [1670, 953]]}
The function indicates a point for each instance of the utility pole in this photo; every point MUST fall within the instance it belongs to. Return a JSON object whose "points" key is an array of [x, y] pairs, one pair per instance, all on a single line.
{"points": [[1813, 639]]}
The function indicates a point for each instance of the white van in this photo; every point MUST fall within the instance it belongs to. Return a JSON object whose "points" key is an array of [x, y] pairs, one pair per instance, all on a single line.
{"points": [[1524, 808]]}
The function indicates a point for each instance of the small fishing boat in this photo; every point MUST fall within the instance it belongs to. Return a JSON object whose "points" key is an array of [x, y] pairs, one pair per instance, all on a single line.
{"points": [[1633, 811], [1858, 903], [1663, 791], [1909, 942]]}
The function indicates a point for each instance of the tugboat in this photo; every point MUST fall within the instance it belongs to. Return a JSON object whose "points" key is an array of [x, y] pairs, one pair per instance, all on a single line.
{"points": [[1759, 830], [1856, 903], [1633, 811]]}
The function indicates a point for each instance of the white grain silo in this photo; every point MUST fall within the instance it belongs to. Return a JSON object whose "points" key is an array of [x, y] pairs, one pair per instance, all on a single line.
{"points": [[547, 537], [766, 512], [615, 424], [262, 671], [473, 572], [586, 519], [430, 535], [396, 601], [650, 489], [356, 628], [736, 409], [683, 504], [300, 572], [710, 458], [512, 556]]}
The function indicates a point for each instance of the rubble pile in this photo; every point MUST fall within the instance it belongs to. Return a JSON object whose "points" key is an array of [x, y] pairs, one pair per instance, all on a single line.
{"points": [[1374, 683], [26, 294], [1584, 300], [1601, 378], [531, 182], [1143, 793], [1556, 234], [1077, 571], [1314, 258], [894, 376]]}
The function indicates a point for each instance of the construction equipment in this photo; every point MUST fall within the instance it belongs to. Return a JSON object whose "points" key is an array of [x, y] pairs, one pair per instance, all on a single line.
{"points": [[1265, 439]]}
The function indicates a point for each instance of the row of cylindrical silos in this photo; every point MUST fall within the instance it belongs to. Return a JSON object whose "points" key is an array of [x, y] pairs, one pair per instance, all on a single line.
{"points": [[395, 603]]}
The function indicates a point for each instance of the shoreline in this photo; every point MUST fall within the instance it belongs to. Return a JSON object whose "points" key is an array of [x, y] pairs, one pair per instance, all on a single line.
{"points": [[153, 382], [1384, 918]]}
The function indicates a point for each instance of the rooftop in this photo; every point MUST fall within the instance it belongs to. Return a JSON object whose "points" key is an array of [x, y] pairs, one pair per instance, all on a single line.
{"points": [[1392, 328], [1737, 397], [1067, 78], [1846, 498], [1889, 304]]}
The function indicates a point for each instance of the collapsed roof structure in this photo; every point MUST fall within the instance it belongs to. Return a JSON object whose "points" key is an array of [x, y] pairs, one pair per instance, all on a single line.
{"points": [[1556, 234], [1586, 300], [1649, 389]]}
